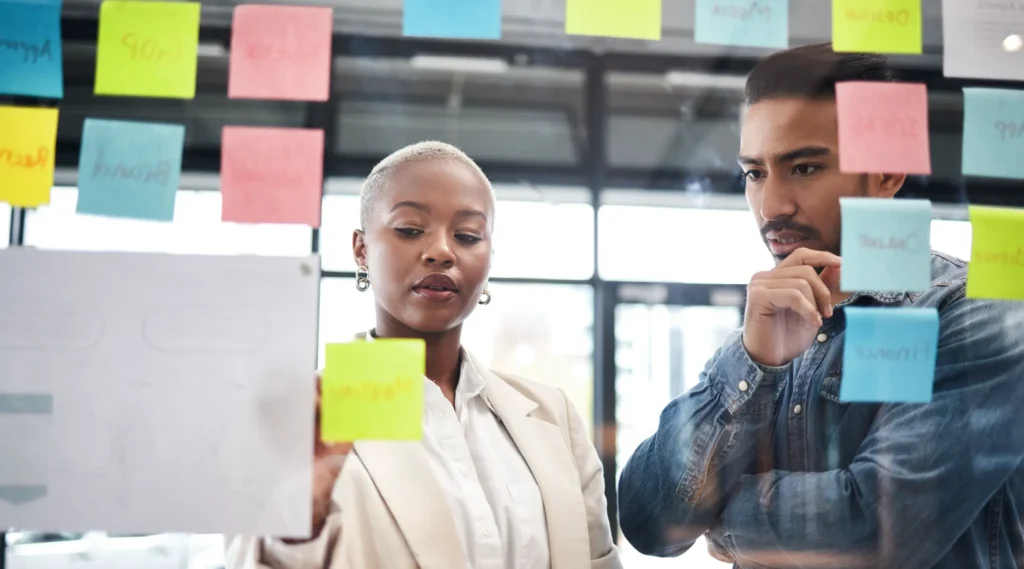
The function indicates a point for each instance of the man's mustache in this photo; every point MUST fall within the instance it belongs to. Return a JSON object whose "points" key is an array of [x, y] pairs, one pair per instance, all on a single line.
{"points": [[779, 225]]}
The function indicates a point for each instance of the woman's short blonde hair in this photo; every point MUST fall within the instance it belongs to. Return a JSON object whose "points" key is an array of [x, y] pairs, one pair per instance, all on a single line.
{"points": [[377, 181]]}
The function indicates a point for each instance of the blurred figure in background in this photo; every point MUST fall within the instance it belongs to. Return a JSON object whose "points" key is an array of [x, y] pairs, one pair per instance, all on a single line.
{"points": [[762, 455], [505, 476]]}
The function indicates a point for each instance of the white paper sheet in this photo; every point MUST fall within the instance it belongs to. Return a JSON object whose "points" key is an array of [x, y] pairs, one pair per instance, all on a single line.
{"points": [[148, 393], [973, 32]]}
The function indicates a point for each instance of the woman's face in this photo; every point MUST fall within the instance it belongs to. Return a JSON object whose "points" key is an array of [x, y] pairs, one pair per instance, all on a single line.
{"points": [[427, 245]]}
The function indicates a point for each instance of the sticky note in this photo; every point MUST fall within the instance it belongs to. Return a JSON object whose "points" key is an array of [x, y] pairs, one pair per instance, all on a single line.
{"points": [[889, 354], [746, 23], [979, 39], [877, 26], [885, 245], [271, 175], [459, 19], [281, 52], [147, 49], [996, 270], [636, 19], [30, 49], [993, 142], [129, 169], [883, 128], [373, 391], [27, 141]]}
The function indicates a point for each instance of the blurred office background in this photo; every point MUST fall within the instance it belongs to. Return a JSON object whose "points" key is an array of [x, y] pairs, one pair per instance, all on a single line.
{"points": [[623, 243]]}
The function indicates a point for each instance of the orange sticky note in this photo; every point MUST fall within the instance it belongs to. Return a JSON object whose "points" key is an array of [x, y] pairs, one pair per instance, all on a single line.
{"points": [[373, 391], [27, 140], [271, 175], [883, 128], [281, 52]]}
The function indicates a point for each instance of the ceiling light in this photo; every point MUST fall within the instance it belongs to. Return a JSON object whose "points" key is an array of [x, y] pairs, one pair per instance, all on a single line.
{"points": [[459, 64], [705, 80], [1012, 43]]}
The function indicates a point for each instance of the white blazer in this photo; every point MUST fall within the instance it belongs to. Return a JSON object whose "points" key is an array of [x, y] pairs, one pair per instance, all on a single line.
{"points": [[390, 512]]}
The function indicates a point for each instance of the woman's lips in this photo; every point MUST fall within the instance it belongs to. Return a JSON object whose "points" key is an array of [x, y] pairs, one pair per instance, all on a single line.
{"points": [[434, 293]]}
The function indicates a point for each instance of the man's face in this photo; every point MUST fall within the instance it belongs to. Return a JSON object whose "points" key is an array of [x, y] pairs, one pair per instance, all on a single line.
{"points": [[789, 150]]}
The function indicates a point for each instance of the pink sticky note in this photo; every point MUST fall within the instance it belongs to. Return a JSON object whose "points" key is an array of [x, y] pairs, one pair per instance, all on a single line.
{"points": [[271, 175], [883, 128], [281, 52]]}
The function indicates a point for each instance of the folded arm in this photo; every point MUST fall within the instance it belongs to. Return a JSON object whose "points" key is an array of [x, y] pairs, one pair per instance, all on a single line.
{"points": [[921, 476], [673, 487]]}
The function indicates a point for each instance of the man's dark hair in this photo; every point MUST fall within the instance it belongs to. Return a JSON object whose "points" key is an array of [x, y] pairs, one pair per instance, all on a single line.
{"points": [[811, 72]]}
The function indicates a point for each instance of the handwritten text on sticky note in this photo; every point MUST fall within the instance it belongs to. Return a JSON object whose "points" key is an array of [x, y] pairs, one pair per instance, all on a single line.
{"points": [[886, 245], [30, 49], [879, 26], [747, 23], [460, 19], [129, 169], [638, 19], [993, 133], [272, 175], [996, 270], [27, 141], [889, 354], [281, 52], [883, 127], [148, 49], [373, 391]]}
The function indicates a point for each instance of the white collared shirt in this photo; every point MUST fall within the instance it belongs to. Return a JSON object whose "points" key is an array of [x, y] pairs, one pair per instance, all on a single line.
{"points": [[494, 498]]}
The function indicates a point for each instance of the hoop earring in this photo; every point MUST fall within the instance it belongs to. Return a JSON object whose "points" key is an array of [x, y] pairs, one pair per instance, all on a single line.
{"points": [[485, 297], [362, 278]]}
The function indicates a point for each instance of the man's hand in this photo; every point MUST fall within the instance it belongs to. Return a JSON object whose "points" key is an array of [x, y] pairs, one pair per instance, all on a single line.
{"points": [[785, 306]]}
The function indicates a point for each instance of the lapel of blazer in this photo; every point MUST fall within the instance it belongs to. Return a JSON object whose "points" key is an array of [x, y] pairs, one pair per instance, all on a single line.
{"points": [[402, 474], [545, 451]]}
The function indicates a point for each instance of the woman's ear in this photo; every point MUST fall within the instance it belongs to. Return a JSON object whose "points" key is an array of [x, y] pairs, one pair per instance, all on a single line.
{"points": [[359, 247]]}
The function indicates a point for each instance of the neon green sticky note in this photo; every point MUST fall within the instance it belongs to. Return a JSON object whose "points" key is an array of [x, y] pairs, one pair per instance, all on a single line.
{"points": [[148, 49], [878, 26], [373, 391], [996, 270], [637, 19]]}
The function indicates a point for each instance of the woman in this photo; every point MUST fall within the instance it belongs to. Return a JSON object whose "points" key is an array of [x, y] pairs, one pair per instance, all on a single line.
{"points": [[505, 476]]}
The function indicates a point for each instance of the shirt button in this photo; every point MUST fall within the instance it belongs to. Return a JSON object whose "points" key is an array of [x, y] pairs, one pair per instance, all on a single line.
{"points": [[743, 386], [797, 409], [822, 338], [464, 470], [487, 532]]}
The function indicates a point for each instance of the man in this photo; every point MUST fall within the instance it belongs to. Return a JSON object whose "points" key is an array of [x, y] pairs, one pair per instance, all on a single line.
{"points": [[763, 456]]}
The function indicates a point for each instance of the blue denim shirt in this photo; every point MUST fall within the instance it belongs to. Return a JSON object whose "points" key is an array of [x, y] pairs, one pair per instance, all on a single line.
{"points": [[779, 473]]}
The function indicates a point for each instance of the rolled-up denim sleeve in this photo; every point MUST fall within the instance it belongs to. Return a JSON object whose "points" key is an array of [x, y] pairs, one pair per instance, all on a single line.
{"points": [[921, 476], [672, 488]]}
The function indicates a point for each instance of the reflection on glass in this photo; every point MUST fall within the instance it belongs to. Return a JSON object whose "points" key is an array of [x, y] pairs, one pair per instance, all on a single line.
{"points": [[532, 239], [196, 229], [541, 332], [952, 237], [660, 353], [5, 225]]}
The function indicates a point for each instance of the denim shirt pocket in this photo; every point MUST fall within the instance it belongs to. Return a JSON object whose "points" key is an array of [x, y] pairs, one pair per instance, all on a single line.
{"points": [[831, 385]]}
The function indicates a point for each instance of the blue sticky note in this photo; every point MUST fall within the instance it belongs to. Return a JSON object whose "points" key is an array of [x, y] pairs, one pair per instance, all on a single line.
{"points": [[886, 245], [130, 169], [459, 19], [30, 49], [993, 133], [746, 23], [889, 354]]}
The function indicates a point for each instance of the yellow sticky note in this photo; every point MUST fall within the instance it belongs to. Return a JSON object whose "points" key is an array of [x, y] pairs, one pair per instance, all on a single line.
{"points": [[373, 391], [996, 270], [876, 26], [27, 140], [148, 49], [638, 19]]}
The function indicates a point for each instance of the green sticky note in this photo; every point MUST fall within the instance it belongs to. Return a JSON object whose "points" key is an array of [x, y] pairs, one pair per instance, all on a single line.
{"points": [[637, 19], [148, 49], [373, 391], [996, 270], [877, 26]]}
